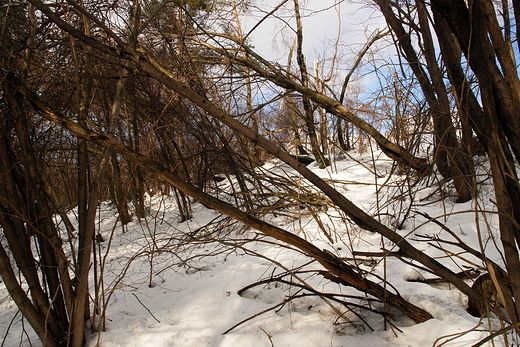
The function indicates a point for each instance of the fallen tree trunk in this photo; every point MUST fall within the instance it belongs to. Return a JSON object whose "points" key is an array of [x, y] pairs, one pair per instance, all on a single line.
{"points": [[148, 65], [338, 270]]}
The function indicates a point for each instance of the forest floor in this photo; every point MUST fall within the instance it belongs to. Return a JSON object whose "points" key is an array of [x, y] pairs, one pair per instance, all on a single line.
{"points": [[176, 292]]}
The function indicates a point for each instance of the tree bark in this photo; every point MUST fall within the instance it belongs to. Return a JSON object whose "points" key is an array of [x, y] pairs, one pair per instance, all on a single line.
{"points": [[451, 161], [472, 35], [495, 128], [20, 218], [34, 316]]}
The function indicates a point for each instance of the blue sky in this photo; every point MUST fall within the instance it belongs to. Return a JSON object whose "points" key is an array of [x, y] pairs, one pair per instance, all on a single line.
{"points": [[323, 20]]}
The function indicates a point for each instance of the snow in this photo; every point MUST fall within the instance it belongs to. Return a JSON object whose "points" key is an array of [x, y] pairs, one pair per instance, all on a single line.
{"points": [[178, 293]]}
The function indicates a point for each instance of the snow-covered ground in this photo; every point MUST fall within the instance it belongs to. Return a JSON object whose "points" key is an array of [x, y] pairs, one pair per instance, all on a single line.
{"points": [[175, 293]]}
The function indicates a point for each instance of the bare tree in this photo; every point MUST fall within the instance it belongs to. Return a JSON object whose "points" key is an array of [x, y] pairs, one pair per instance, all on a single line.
{"points": [[478, 35], [451, 160], [165, 78], [145, 62]]}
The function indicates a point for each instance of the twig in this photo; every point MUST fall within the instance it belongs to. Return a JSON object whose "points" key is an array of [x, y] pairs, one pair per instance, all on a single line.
{"points": [[451, 337], [249, 251], [268, 336], [469, 274], [255, 315], [459, 242], [397, 254], [150, 312], [9, 328], [495, 334]]}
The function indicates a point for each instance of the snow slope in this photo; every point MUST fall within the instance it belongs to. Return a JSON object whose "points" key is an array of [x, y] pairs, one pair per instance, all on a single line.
{"points": [[177, 294]]}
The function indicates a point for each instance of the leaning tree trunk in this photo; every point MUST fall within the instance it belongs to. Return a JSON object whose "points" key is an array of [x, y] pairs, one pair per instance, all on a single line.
{"points": [[308, 108], [337, 269], [119, 194], [495, 126], [459, 160], [360, 217], [451, 162], [25, 212]]}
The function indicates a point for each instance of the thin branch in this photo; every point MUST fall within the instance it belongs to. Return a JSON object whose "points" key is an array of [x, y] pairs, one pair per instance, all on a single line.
{"points": [[150, 312], [378, 35]]}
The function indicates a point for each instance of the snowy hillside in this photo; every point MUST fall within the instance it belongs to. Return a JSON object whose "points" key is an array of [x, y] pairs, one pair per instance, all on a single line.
{"points": [[183, 288]]}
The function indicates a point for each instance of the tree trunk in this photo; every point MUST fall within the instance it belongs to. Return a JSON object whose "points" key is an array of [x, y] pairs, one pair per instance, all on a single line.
{"points": [[460, 162], [137, 178], [119, 195], [473, 37], [358, 216], [337, 268], [86, 223], [291, 109], [34, 316], [469, 108], [451, 161], [494, 127], [308, 109], [24, 212]]}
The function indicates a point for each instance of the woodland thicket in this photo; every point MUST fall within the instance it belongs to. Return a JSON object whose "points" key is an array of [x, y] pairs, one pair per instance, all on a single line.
{"points": [[114, 100]]}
